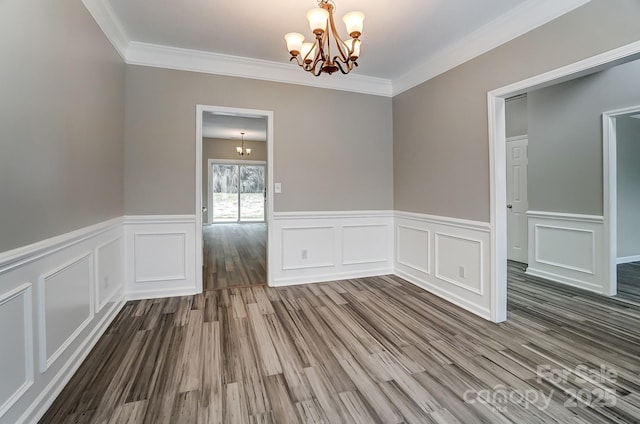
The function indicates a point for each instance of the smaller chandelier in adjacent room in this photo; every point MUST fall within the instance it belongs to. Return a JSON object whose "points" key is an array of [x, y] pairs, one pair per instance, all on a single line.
{"points": [[328, 53], [241, 150]]}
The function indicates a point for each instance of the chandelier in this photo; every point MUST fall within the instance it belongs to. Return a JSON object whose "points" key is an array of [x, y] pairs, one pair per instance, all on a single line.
{"points": [[328, 53], [241, 150]]}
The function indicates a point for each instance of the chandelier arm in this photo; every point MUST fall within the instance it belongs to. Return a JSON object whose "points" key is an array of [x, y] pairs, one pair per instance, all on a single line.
{"points": [[340, 44]]}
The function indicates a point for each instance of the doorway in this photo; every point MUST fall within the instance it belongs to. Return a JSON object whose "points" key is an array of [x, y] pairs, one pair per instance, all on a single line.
{"points": [[232, 192], [498, 164]]}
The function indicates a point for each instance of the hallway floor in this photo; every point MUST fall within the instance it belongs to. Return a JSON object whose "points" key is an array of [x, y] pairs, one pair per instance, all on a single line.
{"points": [[234, 255]]}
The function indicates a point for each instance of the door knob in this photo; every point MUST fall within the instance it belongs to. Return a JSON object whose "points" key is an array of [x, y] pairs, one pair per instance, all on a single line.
{"points": [[509, 206]]}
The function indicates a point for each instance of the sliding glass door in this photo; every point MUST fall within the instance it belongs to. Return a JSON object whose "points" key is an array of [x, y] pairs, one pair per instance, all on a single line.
{"points": [[238, 192]]}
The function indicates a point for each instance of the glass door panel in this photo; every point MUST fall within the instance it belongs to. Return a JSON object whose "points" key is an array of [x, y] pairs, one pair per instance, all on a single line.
{"points": [[252, 194], [225, 193]]}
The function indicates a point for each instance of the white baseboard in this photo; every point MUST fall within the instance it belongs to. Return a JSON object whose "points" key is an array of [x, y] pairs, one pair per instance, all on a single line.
{"points": [[323, 278], [628, 259], [446, 295], [564, 280]]}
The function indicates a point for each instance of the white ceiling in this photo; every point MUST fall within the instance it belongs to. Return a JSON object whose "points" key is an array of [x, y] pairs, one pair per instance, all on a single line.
{"points": [[404, 42]]}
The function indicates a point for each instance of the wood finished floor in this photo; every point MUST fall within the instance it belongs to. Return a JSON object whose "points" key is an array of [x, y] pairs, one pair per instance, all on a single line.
{"points": [[629, 282], [234, 255], [372, 350]]}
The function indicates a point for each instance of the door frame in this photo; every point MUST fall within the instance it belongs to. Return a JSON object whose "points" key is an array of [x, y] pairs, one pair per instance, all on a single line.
{"points": [[610, 190], [498, 163], [211, 162], [200, 109]]}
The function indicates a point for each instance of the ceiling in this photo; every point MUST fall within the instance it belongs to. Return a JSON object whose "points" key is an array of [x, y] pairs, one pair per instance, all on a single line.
{"points": [[404, 42], [229, 126]]}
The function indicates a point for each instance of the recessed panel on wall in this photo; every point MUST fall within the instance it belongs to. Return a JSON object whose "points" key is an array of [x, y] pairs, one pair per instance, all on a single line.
{"points": [[563, 247], [66, 307], [364, 244], [459, 261], [108, 271], [160, 257], [412, 248], [308, 247], [16, 352]]}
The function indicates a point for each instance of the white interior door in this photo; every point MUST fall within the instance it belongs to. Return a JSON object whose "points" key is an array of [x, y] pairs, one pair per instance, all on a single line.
{"points": [[517, 202]]}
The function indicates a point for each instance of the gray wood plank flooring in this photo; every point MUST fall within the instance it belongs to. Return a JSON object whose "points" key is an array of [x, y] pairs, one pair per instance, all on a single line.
{"points": [[371, 350], [234, 255]]}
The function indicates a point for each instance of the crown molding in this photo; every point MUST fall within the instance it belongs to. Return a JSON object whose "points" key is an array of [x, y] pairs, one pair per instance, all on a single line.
{"points": [[213, 63], [109, 23], [518, 21]]}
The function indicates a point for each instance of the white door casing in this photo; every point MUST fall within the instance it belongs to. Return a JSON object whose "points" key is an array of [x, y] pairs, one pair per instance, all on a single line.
{"points": [[517, 200]]}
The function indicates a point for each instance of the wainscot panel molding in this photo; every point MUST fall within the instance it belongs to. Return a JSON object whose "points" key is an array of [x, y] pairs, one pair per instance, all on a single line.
{"points": [[568, 248], [57, 297], [310, 247], [446, 256], [628, 259], [160, 256]]}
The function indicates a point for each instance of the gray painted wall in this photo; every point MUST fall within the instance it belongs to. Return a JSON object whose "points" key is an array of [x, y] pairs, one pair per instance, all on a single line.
{"points": [[441, 147], [215, 148], [565, 138], [61, 122], [516, 118], [332, 149], [628, 181]]}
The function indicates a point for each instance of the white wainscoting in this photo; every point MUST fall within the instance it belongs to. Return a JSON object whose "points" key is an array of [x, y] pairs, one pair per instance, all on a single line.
{"points": [[569, 249], [160, 256], [52, 312], [447, 257], [310, 247], [628, 259]]}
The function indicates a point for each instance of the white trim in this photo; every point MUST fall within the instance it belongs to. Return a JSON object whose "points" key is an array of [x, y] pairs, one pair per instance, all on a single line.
{"points": [[610, 191], [12, 259], [628, 259], [46, 397], [518, 138], [45, 360], [177, 277], [365, 261], [159, 219], [161, 293], [564, 280], [23, 290], [445, 294], [322, 278], [100, 303], [314, 215], [516, 22], [596, 219], [560, 265], [519, 20], [158, 56], [498, 165], [270, 166], [436, 252], [397, 246], [110, 25], [443, 220]]}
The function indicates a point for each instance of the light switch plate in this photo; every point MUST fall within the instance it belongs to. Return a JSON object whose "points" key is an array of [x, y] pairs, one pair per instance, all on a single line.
{"points": [[278, 188]]}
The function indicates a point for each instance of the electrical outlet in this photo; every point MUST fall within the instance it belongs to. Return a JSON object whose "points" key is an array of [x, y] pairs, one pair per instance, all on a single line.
{"points": [[303, 253], [461, 271]]}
